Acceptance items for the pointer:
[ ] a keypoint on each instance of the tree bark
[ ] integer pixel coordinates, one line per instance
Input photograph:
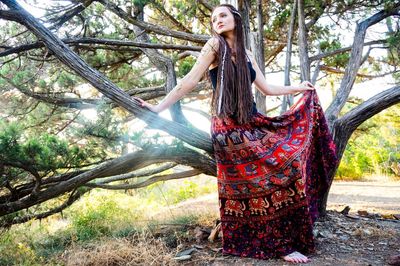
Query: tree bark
(258, 50)
(108, 42)
(123, 164)
(303, 45)
(288, 99)
(244, 9)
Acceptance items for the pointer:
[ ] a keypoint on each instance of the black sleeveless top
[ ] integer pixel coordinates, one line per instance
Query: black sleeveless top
(213, 76)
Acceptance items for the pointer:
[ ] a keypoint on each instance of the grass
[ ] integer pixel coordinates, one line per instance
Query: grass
(110, 228)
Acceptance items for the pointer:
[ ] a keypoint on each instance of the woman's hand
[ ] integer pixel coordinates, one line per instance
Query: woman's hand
(151, 107)
(305, 85)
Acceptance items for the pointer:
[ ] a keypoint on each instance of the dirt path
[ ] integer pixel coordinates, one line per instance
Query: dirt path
(372, 196)
(382, 197)
(340, 240)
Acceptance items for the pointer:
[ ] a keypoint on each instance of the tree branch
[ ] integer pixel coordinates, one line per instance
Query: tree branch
(342, 50)
(140, 173)
(123, 164)
(108, 42)
(147, 182)
(75, 195)
(353, 66)
(345, 126)
(206, 4)
(194, 137)
(360, 75)
(162, 10)
(148, 27)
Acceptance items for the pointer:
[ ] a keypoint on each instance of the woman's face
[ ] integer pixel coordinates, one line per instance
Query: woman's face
(222, 20)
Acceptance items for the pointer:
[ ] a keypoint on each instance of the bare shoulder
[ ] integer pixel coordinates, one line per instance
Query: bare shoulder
(212, 45)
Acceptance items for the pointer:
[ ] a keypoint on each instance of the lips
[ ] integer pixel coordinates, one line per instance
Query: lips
(220, 26)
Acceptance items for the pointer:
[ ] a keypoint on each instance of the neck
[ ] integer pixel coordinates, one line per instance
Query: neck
(230, 39)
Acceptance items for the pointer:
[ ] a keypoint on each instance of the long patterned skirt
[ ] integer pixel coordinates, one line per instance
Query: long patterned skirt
(272, 173)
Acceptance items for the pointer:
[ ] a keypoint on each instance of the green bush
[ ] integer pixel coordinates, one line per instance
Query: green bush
(373, 148)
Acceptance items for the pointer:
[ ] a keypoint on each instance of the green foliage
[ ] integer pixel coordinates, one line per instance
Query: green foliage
(337, 61)
(185, 66)
(168, 193)
(93, 221)
(42, 153)
(374, 148)
(394, 44)
(141, 3)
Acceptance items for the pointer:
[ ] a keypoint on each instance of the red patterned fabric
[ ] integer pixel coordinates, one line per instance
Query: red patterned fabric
(271, 177)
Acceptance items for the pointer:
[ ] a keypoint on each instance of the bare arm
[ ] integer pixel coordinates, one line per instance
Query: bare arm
(187, 84)
(270, 89)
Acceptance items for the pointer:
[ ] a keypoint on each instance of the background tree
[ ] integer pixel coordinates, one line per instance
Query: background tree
(95, 55)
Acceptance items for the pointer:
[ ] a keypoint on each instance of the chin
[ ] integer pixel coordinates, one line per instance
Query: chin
(222, 31)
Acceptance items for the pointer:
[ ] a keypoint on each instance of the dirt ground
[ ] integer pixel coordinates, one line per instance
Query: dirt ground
(366, 238)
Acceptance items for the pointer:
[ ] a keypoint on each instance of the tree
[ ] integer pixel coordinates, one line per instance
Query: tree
(90, 39)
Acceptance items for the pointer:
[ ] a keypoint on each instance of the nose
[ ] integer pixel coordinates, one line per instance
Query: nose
(218, 21)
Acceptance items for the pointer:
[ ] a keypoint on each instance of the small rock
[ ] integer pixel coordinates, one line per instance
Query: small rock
(200, 234)
(181, 258)
(353, 216)
(185, 252)
(362, 213)
(325, 234)
(367, 232)
(388, 216)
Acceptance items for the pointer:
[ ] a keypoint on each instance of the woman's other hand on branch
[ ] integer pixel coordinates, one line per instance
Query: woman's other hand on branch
(151, 107)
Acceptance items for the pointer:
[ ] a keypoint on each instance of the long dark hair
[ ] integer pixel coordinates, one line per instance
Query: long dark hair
(233, 94)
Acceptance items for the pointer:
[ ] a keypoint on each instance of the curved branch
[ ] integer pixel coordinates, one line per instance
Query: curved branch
(108, 42)
(206, 5)
(147, 182)
(123, 164)
(360, 75)
(342, 50)
(75, 195)
(138, 173)
(70, 14)
(344, 126)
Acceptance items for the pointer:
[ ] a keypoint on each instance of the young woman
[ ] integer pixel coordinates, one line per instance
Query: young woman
(270, 175)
